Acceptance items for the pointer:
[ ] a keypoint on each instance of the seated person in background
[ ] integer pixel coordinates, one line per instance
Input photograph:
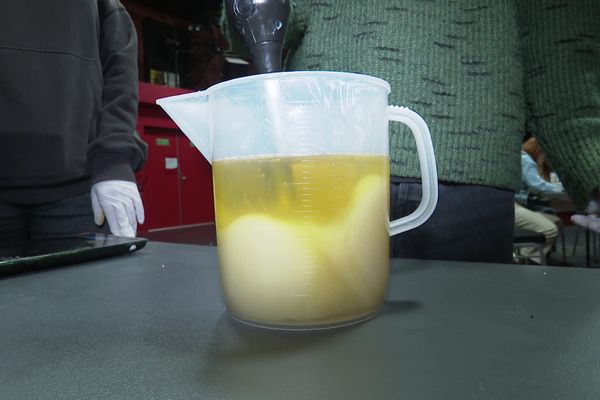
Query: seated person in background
(535, 176)
(543, 223)
(68, 106)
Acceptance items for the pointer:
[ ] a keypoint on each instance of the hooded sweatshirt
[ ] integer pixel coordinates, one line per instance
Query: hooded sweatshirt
(68, 98)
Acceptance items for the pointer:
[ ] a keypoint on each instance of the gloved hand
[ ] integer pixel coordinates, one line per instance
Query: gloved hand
(119, 201)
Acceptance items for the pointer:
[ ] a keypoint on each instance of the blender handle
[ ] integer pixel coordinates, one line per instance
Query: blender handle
(429, 197)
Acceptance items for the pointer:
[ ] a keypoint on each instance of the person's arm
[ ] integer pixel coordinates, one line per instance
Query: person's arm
(533, 179)
(562, 76)
(117, 151)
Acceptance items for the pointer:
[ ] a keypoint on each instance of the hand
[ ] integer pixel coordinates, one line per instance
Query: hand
(119, 201)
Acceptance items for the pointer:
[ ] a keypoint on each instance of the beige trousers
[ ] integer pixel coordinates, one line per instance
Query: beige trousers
(545, 224)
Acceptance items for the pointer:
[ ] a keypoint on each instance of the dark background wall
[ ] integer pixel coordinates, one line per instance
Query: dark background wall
(180, 43)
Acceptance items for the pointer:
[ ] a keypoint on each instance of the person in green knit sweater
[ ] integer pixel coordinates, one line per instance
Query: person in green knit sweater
(478, 72)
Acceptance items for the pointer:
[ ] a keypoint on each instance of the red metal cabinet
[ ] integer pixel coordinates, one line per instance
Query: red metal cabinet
(197, 204)
(176, 182)
(159, 180)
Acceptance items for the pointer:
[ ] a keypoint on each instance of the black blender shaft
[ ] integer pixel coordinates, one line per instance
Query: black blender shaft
(261, 24)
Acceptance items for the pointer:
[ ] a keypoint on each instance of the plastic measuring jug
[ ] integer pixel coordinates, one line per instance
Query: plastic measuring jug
(301, 180)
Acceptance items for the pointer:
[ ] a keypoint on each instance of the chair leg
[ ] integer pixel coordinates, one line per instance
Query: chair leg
(595, 247)
(587, 248)
(562, 241)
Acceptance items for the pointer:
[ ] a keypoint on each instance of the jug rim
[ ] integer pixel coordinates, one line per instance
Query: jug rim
(315, 74)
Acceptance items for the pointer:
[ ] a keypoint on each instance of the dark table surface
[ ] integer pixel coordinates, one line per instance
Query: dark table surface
(152, 325)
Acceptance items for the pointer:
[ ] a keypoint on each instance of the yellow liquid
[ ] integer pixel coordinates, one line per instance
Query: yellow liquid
(303, 240)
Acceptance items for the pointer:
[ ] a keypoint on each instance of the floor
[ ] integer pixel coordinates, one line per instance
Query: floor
(574, 243)
(575, 246)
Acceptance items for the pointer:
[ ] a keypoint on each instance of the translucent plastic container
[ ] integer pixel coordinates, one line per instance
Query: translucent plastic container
(301, 180)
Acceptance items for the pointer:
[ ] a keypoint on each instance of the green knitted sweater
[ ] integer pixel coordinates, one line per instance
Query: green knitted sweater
(477, 71)
(561, 42)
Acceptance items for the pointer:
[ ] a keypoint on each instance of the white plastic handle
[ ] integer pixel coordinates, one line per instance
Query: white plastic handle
(429, 181)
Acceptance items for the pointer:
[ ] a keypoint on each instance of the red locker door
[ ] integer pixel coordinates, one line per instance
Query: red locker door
(196, 185)
(158, 180)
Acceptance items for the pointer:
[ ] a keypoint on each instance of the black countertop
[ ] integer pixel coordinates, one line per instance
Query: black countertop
(152, 325)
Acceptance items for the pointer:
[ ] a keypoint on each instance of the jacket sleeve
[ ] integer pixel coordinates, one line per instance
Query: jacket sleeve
(533, 179)
(117, 150)
(561, 50)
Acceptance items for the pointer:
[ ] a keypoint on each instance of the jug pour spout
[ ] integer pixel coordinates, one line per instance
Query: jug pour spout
(190, 113)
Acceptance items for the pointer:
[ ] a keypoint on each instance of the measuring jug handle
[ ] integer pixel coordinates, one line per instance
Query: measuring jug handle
(429, 183)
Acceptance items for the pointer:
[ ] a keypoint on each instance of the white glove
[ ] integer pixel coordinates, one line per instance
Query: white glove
(119, 201)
